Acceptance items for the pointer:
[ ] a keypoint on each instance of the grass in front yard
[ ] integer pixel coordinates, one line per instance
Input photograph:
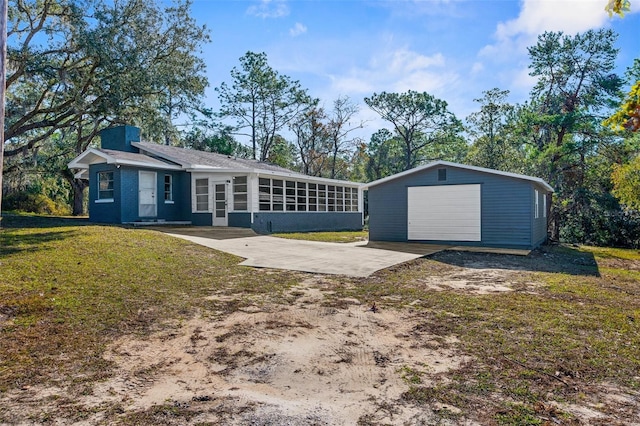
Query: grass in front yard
(579, 328)
(330, 237)
(570, 327)
(67, 290)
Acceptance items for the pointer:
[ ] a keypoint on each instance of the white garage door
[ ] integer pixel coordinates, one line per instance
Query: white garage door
(445, 213)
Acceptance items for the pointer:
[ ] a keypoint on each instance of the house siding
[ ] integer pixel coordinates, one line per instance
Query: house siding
(506, 207)
(104, 212)
(240, 220)
(539, 225)
(269, 222)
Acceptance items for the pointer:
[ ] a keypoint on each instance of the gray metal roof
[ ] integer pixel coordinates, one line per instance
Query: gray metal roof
(461, 166)
(193, 159)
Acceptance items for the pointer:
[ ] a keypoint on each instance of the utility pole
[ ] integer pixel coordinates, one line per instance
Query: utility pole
(3, 84)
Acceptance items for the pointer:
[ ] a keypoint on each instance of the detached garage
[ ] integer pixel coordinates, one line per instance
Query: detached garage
(450, 203)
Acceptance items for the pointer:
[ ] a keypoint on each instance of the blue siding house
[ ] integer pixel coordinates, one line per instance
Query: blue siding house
(450, 203)
(134, 182)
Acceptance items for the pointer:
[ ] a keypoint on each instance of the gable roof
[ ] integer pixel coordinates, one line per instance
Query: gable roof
(110, 156)
(166, 157)
(539, 181)
(192, 159)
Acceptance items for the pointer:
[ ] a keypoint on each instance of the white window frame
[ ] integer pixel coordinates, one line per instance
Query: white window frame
(536, 211)
(237, 205)
(196, 194)
(100, 199)
(168, 193)
(544, 205)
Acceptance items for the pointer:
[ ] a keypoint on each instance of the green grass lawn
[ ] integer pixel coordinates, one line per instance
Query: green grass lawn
(330, 237)
(67, 289)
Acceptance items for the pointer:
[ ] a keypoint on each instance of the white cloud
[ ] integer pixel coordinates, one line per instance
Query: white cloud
(537, 16)
(512, 37)
(477, 67)
(269, 9)
(398, 71)
(297, 29)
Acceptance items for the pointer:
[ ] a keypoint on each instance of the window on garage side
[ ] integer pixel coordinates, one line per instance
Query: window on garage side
(105, 185)
(536, 212)
(240, 193)
(544, 205)
(202, 195)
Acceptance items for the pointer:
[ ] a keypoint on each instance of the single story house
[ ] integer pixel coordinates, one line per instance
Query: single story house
(135, 182)
(450, 203)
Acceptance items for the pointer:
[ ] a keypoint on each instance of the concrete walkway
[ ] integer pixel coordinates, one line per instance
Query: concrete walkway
(352, 259)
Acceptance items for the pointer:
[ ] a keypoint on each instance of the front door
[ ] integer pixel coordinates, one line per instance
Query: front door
(219, 204)
(147, 206)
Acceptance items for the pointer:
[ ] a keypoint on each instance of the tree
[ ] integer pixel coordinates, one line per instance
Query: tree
(261, 101)
(488, 129)
(626, 181)
(312, 141)
(79, 67)
(385, 155)
(219, 140)
(628, 115)
(281, 153)
(619, 7)
(574, 89)
(418, 119)
(339, 128)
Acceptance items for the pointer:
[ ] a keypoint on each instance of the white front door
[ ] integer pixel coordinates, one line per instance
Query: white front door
(147, 206)
(220, 204)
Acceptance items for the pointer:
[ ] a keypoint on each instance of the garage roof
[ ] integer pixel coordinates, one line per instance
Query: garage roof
(460, 166)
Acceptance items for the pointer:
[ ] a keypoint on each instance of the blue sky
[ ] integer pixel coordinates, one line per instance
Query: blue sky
(452, 49)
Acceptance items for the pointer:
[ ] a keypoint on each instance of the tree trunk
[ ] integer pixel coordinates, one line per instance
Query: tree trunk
(78, 185)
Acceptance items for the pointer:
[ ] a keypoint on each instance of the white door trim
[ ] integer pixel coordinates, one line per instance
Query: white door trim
(147, 194)
(220, 190)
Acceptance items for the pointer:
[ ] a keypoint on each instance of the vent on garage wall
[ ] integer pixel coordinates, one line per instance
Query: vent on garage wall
(442, 175)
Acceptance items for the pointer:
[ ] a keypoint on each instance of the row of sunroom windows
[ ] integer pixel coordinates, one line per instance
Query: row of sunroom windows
(289, 195)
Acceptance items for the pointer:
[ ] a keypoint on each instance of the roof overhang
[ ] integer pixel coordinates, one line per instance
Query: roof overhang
(183, 164)
(537, 180)
(262, 172)
(95, 156)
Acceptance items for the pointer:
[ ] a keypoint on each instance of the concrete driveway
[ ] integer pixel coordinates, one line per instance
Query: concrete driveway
(353, 259)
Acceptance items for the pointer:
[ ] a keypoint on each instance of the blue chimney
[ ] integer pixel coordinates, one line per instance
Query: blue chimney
(120, 138)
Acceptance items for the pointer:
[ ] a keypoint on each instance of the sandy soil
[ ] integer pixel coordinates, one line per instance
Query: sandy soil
(300, 363)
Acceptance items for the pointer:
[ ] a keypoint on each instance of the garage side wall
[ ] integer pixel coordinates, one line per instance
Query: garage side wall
(505, 206)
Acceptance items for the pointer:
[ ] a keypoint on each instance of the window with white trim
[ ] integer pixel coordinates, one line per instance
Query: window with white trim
(322, 197)
(313, 197)
(290, 196)
(536, 212)
(105, 185)
(544, 205)
(301, 205)
(168, 188)
(277, 195)
(331, 198)
(202, 195)
(264, 194)
(240, 193)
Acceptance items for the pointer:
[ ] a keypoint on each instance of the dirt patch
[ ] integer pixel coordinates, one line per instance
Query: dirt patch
(293, 362)
(282, 364)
